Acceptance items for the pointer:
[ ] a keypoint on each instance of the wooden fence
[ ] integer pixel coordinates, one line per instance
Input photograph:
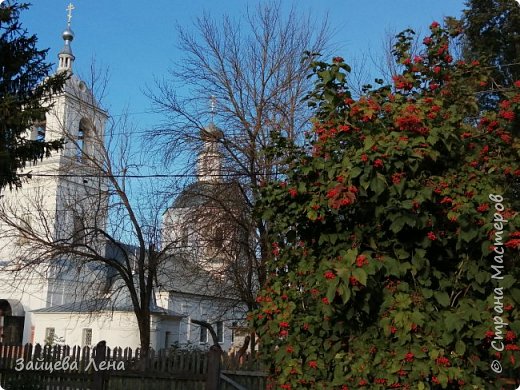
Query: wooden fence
(101, 368)
(241, 372)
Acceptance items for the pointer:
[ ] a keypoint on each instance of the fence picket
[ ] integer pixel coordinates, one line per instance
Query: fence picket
(163, 369)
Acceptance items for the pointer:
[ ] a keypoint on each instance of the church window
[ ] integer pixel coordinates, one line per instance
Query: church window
(203, 335)
(78, 235)
(203, 331)
(56, 292)
(85, 130)
(220, 331)
(86, 339)
(167, 339)
(50, 335)
(185, 308)
(81, 144)
(188, 329)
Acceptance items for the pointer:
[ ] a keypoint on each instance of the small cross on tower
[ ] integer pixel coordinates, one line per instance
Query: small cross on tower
(69, 13)
(213, 107)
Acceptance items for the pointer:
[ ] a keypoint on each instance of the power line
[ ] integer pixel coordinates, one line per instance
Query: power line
(166, 175)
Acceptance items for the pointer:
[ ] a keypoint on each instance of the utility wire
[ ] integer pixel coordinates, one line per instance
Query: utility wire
(167, 175)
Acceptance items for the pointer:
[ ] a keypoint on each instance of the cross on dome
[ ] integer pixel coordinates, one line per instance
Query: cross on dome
(69, 13)
(213, 107)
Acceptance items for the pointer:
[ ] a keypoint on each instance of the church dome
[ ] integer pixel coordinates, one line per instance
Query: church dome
(68, 34)
(211, 133)
(197, 194)
(203, 193)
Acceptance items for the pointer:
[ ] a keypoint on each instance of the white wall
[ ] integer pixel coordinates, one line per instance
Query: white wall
(118, 329)
(207, 309)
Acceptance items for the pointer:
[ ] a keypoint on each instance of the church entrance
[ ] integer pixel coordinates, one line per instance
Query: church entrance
(12, 317)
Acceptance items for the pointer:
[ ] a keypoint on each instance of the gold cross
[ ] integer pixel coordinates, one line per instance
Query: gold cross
(69, 13)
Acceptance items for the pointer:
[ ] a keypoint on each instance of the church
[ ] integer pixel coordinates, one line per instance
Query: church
(50, 296)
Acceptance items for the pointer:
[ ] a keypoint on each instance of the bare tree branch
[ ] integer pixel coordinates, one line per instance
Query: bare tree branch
(256, 70)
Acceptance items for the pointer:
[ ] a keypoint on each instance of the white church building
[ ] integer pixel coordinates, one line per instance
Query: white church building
(64, 304)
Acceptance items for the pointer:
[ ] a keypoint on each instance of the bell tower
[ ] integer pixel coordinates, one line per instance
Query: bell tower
(66, 189)
(62, 200)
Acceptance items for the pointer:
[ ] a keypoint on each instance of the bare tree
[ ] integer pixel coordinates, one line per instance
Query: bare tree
(255, 70)
(80, 218)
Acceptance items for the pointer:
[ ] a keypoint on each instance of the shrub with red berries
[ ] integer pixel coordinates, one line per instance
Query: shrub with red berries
(385, 233)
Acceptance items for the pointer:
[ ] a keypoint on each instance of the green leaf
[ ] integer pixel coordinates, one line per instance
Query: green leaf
(397, 225)
(331, 290)
(360, 275)
(446, 339)
(402, 254)
(355, 172)
(443, 379)
(364, 181)
(405, 267)
(432, 139)
(453, 322)
(468, 235)
(350, 256)
(508, 281)
(442, 297)
(515, 293)
(369, 142)
(460, 347)
(378, 184)
(326, 75)
(482, 277)
(344, 292)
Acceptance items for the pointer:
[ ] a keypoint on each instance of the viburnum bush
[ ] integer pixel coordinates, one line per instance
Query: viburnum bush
(394, 234)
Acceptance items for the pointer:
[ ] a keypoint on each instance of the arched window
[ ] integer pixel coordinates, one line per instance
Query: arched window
(78, 232)
(80, 153)
(83, 140)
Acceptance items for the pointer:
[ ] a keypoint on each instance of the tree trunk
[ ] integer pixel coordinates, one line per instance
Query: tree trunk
(253, 344)
(143, 321)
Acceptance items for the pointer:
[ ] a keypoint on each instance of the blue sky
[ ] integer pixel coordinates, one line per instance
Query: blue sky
(137, 40)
